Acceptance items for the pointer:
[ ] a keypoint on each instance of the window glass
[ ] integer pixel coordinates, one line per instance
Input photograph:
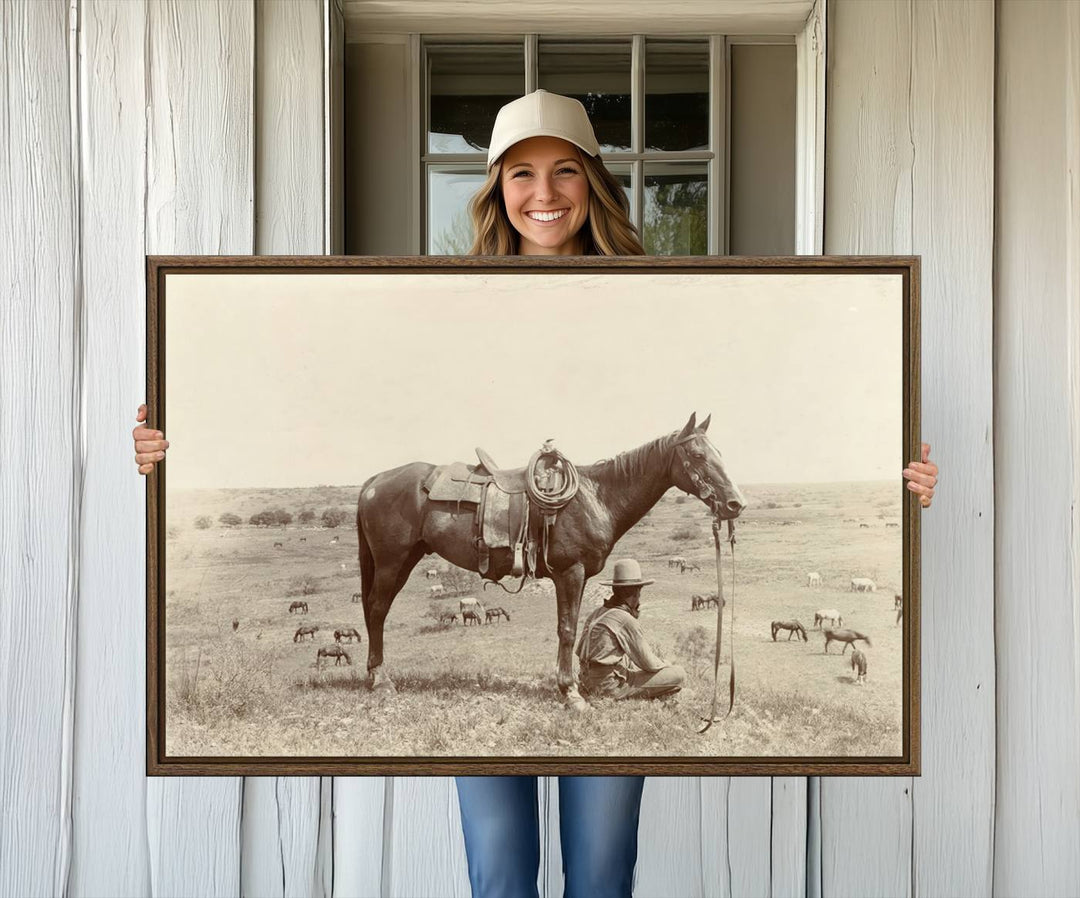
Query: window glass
(466, 86)
(450, 188)
(676, 209)
(597, 74)
(676, 95)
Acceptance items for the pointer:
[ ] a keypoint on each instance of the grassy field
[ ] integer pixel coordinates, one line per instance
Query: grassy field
(491, 690)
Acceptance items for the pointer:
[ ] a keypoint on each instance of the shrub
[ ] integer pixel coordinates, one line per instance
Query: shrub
(202, 522)
(233, 684)
(230, 520)
(307, 516)
(679, 500)
(305, 585)
(694, 646)
(682, 534)
(334, 517)
(458, 581)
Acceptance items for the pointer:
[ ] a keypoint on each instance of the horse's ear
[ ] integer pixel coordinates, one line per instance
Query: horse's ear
(704, 425)
(689, 428)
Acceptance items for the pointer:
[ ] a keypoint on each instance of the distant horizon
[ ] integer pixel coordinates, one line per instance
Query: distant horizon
(330, 378)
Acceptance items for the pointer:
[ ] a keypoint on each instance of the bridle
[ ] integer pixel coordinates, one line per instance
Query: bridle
(706, 493)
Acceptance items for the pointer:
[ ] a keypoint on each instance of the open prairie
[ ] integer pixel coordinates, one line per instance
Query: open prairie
(490, 690)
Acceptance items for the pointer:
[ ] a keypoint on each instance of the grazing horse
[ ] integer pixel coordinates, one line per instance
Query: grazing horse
(863, 584)
(346, 633)
(235, 625)
(469, 614)
(848, 637)
(858, 663)
(397, 524)
(813, 579)
(496, 613)
(827, 614)
(304, 631)
(675, 561)
(332, 651)
(431, 574)
(792, 626)
(277, 545)
(301, 607)
(689, 566)
(447, 617)
(356, 597)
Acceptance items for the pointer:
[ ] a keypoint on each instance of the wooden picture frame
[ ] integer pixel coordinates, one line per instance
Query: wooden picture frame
(285, 383)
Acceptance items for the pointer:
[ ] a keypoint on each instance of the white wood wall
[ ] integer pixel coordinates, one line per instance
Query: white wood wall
(135, 127)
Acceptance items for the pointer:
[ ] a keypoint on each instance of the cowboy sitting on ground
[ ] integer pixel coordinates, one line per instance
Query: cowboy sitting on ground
(616, 660)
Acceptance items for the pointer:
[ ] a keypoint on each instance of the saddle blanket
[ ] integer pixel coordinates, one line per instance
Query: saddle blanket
(456, 482)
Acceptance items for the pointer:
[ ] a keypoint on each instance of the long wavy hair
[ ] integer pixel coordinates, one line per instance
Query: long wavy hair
(607, 230)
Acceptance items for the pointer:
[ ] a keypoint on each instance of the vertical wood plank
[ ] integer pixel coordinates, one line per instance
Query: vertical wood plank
(788, 862)
(359, 811)
(282, 815)
(199, 199)
(952, 78)
(869, 156)
(670, 838)
(40, 451)
(110, 852)
(425, 852)
(736, 826)
(1037, 449)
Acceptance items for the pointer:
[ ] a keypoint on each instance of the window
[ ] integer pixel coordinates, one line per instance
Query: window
(659, 107)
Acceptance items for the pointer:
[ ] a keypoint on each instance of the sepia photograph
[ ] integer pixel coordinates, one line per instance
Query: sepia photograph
(481, 517)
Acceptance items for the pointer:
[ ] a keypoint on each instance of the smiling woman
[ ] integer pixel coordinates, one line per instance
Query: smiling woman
(547, 190)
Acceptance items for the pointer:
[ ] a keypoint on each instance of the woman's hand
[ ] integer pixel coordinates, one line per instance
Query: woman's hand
(922, 477)
(150, 445)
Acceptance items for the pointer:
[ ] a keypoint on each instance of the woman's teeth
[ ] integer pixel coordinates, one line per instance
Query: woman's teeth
(546, 216)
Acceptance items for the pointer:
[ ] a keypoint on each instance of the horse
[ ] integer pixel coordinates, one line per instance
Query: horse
(397, 525)
(356, 597)
(447, 617)
(863, 584)
(848, 637)
(469, 614)
(827, 614)
(304, 631)
(689, 566)
(346, 633)
(792, 626)
(858, 664)
(332, 651)
(497, 613)
(300, 607)
(813, 579)
(898, 604)
(235, 625)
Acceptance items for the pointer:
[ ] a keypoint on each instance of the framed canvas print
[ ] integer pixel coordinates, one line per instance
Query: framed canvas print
(533, 516)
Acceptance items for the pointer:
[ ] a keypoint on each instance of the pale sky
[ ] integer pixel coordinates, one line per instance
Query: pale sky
(305, 379)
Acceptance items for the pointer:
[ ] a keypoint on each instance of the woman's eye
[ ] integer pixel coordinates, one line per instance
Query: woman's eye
(572, 171)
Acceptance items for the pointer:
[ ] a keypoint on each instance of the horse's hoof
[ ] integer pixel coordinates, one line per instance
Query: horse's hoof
(578, 705)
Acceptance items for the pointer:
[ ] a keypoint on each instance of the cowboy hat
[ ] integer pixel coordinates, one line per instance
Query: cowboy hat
(541, 114)
(627, 573)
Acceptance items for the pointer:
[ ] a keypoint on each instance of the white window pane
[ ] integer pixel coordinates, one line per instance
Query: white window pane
(450, 231)
(624, 176)
(467, 84)
(597, 74)
(676, 209)
(676, 95)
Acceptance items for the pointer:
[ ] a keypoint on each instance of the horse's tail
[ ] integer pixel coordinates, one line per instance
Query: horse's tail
(868, 642)
(366, 560)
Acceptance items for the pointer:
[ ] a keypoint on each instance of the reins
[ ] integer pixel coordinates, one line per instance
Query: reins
(720, 623)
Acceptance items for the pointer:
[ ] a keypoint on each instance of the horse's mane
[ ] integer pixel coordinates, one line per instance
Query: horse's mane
(632, 463)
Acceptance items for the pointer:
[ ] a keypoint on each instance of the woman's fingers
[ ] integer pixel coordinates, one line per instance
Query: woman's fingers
(151, 445)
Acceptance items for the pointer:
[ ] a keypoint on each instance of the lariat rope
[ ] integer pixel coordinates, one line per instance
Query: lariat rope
(720, 623)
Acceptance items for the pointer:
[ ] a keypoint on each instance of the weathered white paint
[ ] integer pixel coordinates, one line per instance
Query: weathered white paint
(40, 446)
(952, 130)
(1037, 366)
(909, 167)
(199, 198)
(109, 813)
(810, 134)
(909, 170)
(557, 17)
(282, 815)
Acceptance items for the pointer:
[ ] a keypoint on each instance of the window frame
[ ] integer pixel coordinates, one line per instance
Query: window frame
(810, 120)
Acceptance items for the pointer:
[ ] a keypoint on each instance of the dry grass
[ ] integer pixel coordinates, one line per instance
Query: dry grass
(491, 690)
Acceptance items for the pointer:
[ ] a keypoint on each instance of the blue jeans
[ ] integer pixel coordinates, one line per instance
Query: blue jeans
(598, 822)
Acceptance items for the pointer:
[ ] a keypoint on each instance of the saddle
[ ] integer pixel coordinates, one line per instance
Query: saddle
(515, 507)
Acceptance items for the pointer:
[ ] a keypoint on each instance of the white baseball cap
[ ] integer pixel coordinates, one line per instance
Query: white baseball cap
(541, 114)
